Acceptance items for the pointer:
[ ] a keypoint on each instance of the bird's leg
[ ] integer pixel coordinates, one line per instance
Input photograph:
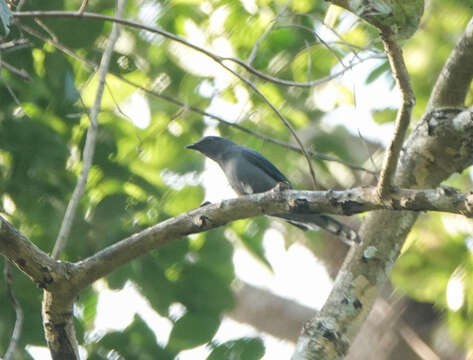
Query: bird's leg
(205, 203)
(202, 221)
(281, 186)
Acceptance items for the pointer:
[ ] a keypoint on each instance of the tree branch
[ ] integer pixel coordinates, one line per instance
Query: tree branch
(36, 264)
(346, 202)
(196, 109)
(15, 337)
(279, 81)
(268, 312)
(439, 146)
(280, 116)
(258, 42)
(403, 116)
(83, 6)
(216, 58)
(18, 72)
(57, 306)
(63, 281)
(453, 83)
(90, 141)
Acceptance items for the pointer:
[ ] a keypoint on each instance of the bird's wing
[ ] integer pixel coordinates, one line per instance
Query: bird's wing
(264, 164)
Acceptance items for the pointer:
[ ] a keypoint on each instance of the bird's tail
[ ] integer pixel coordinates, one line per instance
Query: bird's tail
(315, 221)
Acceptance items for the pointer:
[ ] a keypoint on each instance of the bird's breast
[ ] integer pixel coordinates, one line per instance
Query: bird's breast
(246, 178)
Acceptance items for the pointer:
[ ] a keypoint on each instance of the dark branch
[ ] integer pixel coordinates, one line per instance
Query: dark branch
(454, 81)
(40, 267)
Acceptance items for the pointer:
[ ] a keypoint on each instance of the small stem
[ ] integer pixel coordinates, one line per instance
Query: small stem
(195, 109)
(15, 338)
(403, 116)
(90, 142)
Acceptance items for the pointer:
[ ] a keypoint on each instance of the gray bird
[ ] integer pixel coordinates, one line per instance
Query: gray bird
(249, 172)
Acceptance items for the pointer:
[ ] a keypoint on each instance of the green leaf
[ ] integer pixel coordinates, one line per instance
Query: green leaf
(89, 300)
(137, 341)
(216, 255)
(149, 276)
(201, 290)
(377, 72)
(191, 330)
(384, 116)
(424, 274)
(252, 236)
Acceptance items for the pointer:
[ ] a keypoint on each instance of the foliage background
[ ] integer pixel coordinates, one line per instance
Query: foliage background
(142, 174)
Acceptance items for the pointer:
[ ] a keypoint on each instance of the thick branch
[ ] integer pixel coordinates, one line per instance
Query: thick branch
(63, 287)
(35, 263)
(440, 145)
(47, 272)
(57, 307)
(454, 81)
(403, 116)
(41, 268)
(214, 215)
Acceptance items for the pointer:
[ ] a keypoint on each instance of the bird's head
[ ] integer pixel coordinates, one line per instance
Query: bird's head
(212, 146)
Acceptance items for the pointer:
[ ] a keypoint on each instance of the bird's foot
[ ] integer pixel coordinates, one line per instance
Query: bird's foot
(281, 186)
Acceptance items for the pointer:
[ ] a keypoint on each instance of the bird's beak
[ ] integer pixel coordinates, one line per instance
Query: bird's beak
(191, 146)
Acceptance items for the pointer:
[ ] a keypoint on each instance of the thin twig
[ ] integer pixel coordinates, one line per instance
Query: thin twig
(342, 41)
(176, 38)
(20, 5)
(14, 45)
(322, 41)
(218, 59)
(14, 97)
(279, 81)
(91, 138)
(281, 116)
(403, 116)
(18, 72)
(252, 56)
(195, 109)
(363, 141)
(215, 57)
(83, 6)
(57, 45)
(46, 29)
(309, 59)
(15, 337)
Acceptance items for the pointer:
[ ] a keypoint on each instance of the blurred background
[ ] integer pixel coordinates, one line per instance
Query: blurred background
(246, 289)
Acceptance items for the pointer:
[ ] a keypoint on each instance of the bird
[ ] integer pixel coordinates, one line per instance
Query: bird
(249, 172)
